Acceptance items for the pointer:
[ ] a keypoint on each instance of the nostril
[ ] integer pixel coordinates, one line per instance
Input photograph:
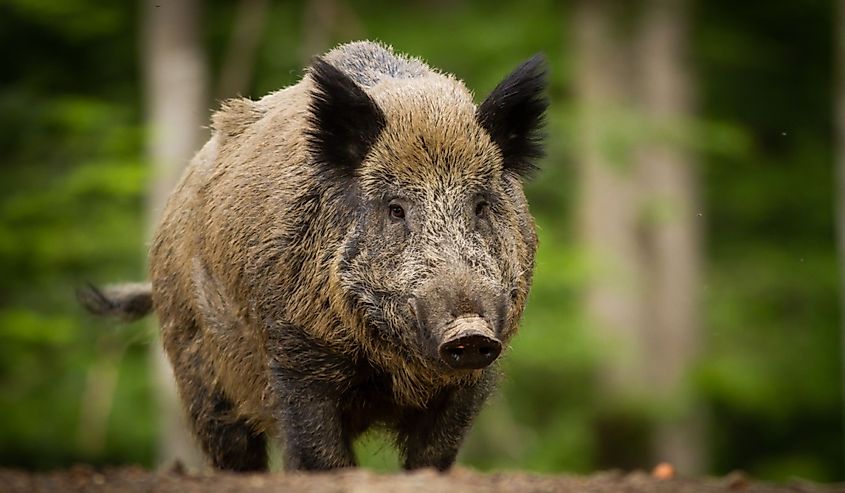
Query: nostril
(470, 352)
(456, 351)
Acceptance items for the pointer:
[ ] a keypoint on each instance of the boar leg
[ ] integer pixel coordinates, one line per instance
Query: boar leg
(312, 429)
(431, 437)
(230, 442)
(226, 438)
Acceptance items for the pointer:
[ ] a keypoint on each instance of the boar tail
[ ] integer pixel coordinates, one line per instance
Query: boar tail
(126, 302)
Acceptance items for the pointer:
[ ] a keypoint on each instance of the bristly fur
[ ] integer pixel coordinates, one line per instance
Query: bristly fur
(344, 122)
(513, 114)
(281, 276)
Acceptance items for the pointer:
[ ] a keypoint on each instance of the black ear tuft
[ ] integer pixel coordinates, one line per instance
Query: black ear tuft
(345, 121)
(514, 114)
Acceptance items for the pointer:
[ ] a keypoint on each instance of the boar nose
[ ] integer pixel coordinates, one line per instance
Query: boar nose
(469, 344)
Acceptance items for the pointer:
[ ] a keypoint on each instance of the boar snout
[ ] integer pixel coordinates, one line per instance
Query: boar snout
(469, 344)
(459, 319)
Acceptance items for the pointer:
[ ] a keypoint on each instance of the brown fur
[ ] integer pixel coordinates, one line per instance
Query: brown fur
(278, 283)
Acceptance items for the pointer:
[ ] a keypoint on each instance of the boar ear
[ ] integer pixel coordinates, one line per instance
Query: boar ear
(344, 120)
(514, 114)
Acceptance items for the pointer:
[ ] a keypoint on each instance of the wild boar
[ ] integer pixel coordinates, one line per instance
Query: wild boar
(354, 250)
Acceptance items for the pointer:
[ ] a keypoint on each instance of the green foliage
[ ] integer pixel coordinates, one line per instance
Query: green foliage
(70, 210)
(73, 188)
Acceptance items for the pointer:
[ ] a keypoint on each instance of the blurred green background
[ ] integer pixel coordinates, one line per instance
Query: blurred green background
(764, 385)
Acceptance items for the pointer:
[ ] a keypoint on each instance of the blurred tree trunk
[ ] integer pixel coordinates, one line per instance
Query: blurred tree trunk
(98, 396)
(672, 243)
(322, 21)
(318, 22)
(176, 87)
(607, 210)
(609, 225)
(239, 61)
(839, 193)
(638, 225)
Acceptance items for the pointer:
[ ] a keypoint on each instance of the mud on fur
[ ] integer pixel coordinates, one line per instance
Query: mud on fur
(352, 251)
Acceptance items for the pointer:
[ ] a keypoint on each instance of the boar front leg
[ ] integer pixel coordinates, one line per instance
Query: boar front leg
(312, 430)
(431, 437)
(306, 378)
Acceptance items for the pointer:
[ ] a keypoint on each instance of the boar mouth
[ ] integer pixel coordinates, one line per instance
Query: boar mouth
(468, 343)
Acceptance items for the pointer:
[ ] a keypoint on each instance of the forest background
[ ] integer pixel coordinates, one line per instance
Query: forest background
(687, 298)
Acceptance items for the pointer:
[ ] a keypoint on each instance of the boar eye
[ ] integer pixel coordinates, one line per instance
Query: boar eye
(481, 208)
(396, 211)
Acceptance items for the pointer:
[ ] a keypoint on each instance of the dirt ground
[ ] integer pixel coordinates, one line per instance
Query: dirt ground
(136, 480)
